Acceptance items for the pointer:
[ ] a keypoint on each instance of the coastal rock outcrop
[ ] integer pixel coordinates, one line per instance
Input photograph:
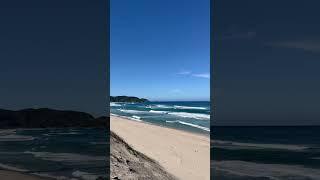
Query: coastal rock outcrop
(49, 118)
(127, 99)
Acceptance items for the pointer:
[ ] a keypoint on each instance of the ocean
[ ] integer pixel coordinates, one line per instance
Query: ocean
(190, 116)
(78, 153)
(265, 153)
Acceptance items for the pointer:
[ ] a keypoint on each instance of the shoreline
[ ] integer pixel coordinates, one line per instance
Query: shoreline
(184, 154)
(6, 174)
(203, 133)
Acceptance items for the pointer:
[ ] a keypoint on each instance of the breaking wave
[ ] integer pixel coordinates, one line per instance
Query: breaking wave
(190, 124)
(198, 116)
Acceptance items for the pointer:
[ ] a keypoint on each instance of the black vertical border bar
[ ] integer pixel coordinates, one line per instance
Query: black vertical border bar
(107, 58)
(212, 86)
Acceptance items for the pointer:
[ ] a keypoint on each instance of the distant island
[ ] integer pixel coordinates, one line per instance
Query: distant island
(49, 118)
(127, 99)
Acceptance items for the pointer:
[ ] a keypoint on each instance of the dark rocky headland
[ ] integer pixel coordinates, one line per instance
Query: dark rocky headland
(127, 99)
(49, 118)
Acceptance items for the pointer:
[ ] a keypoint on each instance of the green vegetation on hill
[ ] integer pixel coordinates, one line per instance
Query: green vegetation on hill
(127, 99)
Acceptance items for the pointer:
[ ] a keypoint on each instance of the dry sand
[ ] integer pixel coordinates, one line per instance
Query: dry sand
(182, 154)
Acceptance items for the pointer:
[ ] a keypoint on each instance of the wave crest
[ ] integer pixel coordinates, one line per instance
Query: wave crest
(190, 107)
(190, 124)
(198, 116)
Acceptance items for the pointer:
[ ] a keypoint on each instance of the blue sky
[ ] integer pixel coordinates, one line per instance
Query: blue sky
(160, 49)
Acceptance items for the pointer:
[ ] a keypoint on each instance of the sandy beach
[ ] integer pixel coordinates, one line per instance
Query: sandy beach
(11, 175)
(184, 155)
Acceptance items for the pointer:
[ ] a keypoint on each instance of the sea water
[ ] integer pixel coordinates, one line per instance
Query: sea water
(190, 116)
(64, 153)
(265, 153)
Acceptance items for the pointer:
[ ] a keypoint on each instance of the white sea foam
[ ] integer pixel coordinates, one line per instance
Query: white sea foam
(189, 107)
(135, 118)
(132, 111)
(113, 104)
(159, 106)
(116, 115)
(84, 175)
(66, 157)
(13, 137)
(190, 124)
(4, 166)
(271, 171)
(159, 112)
(162, 106)
(198, 116)
(240, 145)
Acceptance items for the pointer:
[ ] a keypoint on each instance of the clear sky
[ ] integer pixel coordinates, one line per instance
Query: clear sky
(267, 59)
(160, 49)
(53, 55)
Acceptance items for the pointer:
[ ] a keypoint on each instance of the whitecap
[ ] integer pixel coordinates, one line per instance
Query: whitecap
(159, 106)
(190, 107)
(158, 112)
(135, 118)
(190, 124)
(116, 115)
(198, 116)
(113, 104)
(163, 106)
(132, 111)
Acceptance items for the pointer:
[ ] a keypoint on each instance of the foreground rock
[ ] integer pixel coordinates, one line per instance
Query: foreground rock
(128, 164)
